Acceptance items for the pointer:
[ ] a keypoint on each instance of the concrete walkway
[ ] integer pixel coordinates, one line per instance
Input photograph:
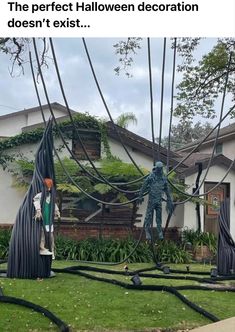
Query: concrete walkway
(226, 325)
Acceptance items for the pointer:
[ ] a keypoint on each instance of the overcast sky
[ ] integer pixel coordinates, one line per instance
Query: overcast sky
(121, 94)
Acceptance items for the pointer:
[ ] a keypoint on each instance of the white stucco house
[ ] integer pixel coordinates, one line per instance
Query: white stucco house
(14, 123)
(224, 156)
(140, 149)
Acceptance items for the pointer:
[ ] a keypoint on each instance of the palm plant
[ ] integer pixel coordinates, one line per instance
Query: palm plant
(125, 119)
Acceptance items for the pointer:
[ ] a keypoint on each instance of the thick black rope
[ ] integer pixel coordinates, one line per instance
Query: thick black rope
(151, 98)
(195, 194)
(132, 273)
(101, 177)
(134, 180)
(162, 97)
(168, 289)
(106, 106)
(86, 170)
(64, 142)
(63, 327)
(204, 193)
(172, 106)
(202, 141)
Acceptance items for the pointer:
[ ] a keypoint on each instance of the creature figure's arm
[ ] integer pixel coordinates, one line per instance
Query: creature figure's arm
(57, 211)
(144, 189)
(37, 206)
(169, 202)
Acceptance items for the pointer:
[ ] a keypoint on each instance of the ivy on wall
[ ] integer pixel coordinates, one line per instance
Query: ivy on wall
(81, 120)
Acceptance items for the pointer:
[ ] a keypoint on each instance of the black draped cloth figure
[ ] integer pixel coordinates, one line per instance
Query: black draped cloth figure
(24, 259)
(226, 245)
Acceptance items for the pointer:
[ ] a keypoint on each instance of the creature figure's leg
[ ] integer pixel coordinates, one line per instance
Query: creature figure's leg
(148, 222)
(158, 209)
(52, 245)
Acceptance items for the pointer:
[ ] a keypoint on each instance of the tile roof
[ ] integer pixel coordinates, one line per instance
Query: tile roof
(54, 105)
(219, 160)
(224, 132)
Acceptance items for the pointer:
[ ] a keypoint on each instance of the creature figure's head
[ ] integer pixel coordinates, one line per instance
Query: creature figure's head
(158, 168)
(48, 183)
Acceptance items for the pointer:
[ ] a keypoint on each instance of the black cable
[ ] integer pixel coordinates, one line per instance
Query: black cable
(168, 289)
(197, 208)
(132, 273)
(63, 327)
(172, 106)
(151, 98)
(61, 134)
(35, 84)
(138, 180)
(183, 272)
(101, 177)
(202, 141)
(215, 140)
(106, 106)
(57, 155)
(162, 97)
(205, 193)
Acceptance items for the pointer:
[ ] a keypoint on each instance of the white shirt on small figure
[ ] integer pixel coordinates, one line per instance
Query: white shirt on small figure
(48, 225)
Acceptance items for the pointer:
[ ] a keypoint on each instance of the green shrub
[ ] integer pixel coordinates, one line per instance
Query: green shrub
(113, 250)
(109, 250)
(171, 252)
(5, 235)
(101, 250)
(196, 238)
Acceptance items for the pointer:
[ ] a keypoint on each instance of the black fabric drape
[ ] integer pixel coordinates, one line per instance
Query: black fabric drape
(226, 245)
(24, 260)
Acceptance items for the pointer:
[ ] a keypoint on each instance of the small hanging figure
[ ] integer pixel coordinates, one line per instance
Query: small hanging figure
(44, 213)
(155, 185)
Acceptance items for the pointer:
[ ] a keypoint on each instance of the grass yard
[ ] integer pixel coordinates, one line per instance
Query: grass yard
(88, 305)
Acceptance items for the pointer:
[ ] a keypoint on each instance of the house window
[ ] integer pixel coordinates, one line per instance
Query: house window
(92, 143)
(219, 148)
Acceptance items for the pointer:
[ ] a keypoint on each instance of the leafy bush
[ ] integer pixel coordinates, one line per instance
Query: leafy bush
(5, 235)
(197, 238)
(171, 252)
(109, 250)
(113, 250)
(101, 250)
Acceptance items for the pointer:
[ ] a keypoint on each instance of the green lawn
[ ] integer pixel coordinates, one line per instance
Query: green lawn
(88, 305)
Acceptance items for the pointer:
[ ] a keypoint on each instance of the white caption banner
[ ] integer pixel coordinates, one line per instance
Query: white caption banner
(69, 18)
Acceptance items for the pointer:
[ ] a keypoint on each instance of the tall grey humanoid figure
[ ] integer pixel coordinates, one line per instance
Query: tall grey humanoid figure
(156, 186)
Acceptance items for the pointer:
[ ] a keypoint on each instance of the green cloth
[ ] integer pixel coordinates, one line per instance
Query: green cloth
(47, 213)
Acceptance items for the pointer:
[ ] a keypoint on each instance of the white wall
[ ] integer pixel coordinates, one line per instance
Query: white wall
(227, 149)
(139, 158)
(10, 198)
(36, 117)
(13, 125)
(215, 174)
